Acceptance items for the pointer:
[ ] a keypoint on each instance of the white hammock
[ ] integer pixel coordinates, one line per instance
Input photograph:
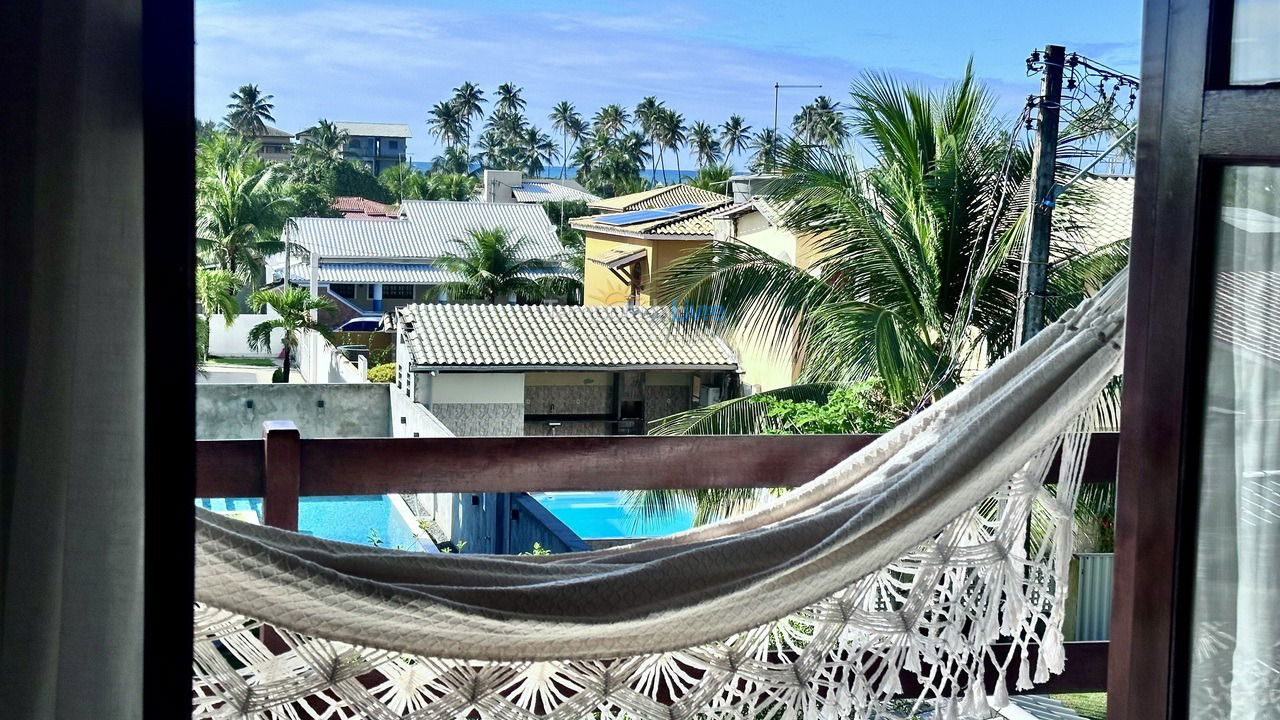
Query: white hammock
(909, 555)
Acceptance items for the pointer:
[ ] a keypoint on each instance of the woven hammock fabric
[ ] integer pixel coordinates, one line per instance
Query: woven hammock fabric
(908, 556)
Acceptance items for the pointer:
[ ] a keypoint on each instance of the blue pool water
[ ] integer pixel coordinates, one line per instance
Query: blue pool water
(347, 518)
(604, 515)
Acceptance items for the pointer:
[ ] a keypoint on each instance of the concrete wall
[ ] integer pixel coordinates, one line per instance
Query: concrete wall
(234, 341)
(350, 410)
(474, 404)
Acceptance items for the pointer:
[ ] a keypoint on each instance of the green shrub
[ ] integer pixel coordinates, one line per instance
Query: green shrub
(383, 373)
(278, 375)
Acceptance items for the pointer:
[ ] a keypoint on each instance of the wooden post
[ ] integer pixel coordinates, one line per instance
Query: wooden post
(282, 472)
(1035, 257)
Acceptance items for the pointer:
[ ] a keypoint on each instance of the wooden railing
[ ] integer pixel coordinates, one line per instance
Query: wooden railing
(283, 467)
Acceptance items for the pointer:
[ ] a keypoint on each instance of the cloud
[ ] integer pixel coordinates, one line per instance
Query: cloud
(375, 60)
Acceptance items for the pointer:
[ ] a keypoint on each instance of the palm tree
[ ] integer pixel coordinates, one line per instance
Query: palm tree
(294, 306)
(249, 111)
(324, 143)
(734, 134)
(566, 120)
(918, 255)
(706, 149)
(454, 159)
(821, 122)
(216, 295)
(449, 186)
(647, 111)
(491, 146)
(468, 100)
(404, 182)
(672, 136)
(509, 99)
(537, 149)
(766, 146)
(713, 177)
(610, 120)
(241, 206)
(447, 123)
(493, 266)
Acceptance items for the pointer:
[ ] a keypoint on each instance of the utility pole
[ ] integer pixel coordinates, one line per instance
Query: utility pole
(1035, 257)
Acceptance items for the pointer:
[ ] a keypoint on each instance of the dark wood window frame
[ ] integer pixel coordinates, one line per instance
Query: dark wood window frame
(1191, 124)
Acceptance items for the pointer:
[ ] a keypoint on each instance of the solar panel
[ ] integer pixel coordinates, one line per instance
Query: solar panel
(636, 216)
(681, 208)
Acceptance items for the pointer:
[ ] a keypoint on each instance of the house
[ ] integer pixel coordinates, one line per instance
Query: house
(274, 144)
(377, 145)
(358, 208)
(373, 265)
(513, 186)
(556, 369)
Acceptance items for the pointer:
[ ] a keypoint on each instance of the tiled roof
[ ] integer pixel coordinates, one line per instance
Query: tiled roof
(661, 197)
(358, 207)
(376, 272)
(556, 337)
(428, 230)
(274, 132)
(697, 222)
(541, 191)
(398, 130)
(1106, 219)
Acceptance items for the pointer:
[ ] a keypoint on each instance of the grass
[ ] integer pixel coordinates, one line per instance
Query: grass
(250, 361)
(1091, 706)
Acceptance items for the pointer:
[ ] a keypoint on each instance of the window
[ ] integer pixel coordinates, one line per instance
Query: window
(353, 143)
(346, 290)
(397, 292)
(393, 144)
(1235, 626)
(1255, 42)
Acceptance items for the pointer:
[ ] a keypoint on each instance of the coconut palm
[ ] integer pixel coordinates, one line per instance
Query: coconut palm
(507, 125)
(294, 306)
(918, 255)
(468, 100)
(449, 186)
(216, 295)
(706, 149)
(454, 159)
(324, 143)
(566, 120)
(404, 182)
(241, 206)
(536, 149)
(493, 266)
(490, 148)
(766, 146)
(734, 135)
(249, 111)
(713, 177)
(821, 122)
(647, 111)
(671, 135)
(447, 123)
(509, 99)
(610, 121)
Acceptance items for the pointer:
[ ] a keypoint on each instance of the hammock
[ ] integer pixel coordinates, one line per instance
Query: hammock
(910, 555)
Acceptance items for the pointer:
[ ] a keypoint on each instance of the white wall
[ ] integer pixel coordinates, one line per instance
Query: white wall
(320, 362)
(234, 341)
(473, 388)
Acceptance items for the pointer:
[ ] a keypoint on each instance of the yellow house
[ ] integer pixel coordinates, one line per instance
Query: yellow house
(641, 235)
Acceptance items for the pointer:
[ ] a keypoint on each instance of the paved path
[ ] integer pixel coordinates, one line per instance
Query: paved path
(1038, 707)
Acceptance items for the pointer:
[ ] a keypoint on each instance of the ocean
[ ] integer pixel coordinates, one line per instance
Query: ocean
(553, 171)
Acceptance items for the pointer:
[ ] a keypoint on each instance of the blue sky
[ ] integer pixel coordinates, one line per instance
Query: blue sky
(387, 61)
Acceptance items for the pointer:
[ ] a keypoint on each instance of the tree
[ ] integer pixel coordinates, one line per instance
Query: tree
(918, 255)
(647, 112)
(216, 292)
(734, 135)
(713, 177)
(454, 160)
(294, 306)
(447, 124)
(706, 149)
(404, 182)
(509, 99)
(249, 111)
(821, 122)
(610, 121)
(468, 101)
(493, 266)
(450, 186)
(536, 150)
(566, 120)
(766, 146)
(241, 206)
(323, 143)
(671, 135)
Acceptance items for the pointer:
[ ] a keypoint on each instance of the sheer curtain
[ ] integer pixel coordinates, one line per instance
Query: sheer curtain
(71, 418)
(1236, 615)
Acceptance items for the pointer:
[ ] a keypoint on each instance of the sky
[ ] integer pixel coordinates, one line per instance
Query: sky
(389, 61)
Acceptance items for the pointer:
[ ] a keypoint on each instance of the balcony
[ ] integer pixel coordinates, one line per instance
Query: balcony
(282, 467)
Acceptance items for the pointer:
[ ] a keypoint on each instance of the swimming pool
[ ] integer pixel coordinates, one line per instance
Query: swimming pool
(595, 515)
(347, 518)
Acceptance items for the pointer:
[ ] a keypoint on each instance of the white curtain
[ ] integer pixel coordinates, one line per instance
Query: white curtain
(71, 422)
(1236, 616)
